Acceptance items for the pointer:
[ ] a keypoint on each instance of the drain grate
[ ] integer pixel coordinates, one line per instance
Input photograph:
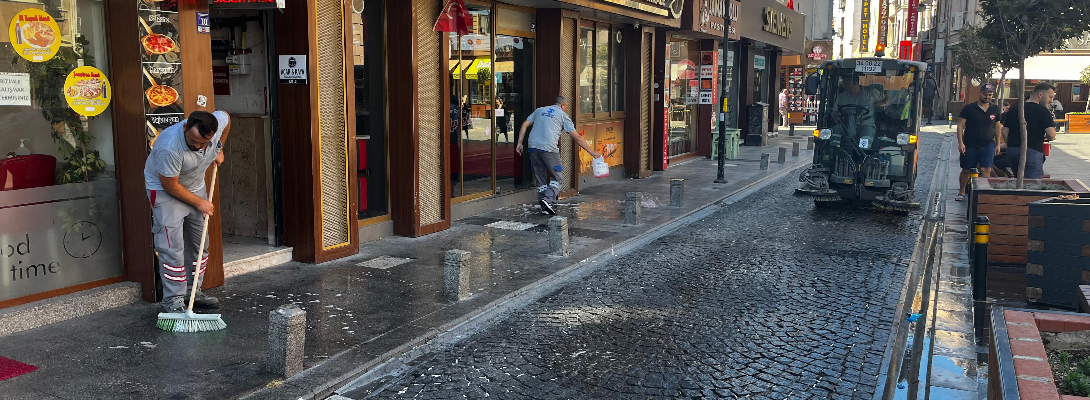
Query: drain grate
(511, 225)
(384, 262)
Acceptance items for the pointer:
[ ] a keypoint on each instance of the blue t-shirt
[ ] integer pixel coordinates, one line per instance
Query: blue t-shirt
(171, 157)
(549, 123)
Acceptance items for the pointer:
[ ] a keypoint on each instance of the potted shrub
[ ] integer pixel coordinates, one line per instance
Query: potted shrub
(1007, 209)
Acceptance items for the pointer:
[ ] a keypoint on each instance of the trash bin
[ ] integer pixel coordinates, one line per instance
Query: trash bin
(756, 121)
(732, 143)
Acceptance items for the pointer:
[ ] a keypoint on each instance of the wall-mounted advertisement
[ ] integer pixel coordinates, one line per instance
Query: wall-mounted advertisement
(161, 66)
(87, 91)
(37, 37)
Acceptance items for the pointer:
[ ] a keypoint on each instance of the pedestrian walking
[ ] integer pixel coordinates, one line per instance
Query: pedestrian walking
(929, 86)
(1058, 111)
(501, 119)
(784, 117)
(1039, 126)
(544, 148)
(174, 178)
(978, 136)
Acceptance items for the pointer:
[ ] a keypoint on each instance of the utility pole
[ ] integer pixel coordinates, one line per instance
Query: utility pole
(723, 94)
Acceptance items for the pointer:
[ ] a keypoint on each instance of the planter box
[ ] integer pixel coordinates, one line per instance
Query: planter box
(1008, 213)
(1058, 251)
(1078, 123)
(1017, 333)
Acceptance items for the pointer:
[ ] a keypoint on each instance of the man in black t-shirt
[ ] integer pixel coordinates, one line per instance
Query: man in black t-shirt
(1039, 125)
(978, 136)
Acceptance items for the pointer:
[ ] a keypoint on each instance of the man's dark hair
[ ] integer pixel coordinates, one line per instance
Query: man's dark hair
(206, 123)
(1043, 87)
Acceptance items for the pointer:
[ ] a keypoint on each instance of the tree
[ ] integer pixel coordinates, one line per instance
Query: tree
(1084, 77)
(1024, 28)
(976, 54)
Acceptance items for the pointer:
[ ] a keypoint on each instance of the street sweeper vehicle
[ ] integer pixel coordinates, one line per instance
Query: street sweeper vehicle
(865, 143)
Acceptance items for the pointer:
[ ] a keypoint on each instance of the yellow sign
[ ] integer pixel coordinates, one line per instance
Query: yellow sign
(88, 91)
(34, 35)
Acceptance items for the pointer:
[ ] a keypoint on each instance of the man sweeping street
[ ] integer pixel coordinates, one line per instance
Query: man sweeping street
(979, 139)
(174, 178)
(544, 148)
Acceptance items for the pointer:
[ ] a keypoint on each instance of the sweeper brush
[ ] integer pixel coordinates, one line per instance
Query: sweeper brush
(893, 205)
(818, 195)
(190, 322)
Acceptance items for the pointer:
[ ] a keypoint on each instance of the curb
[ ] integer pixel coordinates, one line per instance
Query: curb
(316, 383)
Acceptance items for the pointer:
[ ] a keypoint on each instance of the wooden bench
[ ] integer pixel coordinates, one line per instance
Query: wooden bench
(1061, 124)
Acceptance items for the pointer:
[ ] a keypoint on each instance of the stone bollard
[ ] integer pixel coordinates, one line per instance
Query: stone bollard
(764, 160)
(677, 193)
(782, 158)
(795, 149)
(287, 337)
(558, 236)
(456, 274)
(633, 207)
(810, 143)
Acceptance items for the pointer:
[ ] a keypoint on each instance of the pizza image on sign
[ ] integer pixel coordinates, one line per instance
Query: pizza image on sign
(35, 35)
(161, 95)
(87, 91)
(158, 44)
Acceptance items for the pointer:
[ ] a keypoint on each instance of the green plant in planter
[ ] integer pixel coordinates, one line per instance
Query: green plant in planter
(1077, 383)
(1083, 367)
(69, 129)
(1065, 357)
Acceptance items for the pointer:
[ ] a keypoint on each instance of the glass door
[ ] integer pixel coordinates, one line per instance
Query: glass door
(471, 107)
(514, 102)
(370, 87)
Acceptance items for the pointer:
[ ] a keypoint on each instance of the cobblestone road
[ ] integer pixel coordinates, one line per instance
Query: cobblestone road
(769, 298)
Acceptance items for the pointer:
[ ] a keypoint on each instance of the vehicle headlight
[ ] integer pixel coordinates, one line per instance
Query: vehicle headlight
(903, 138)
(825, 134)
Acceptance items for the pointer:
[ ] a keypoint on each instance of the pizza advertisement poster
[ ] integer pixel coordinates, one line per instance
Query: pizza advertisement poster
(161, 65)
(87, 91)
(159, 37)
(34, 35)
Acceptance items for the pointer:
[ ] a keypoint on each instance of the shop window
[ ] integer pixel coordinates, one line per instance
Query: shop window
(684, 96)
(58, 192)
(369, 73)
(471, 110)
(601, 70)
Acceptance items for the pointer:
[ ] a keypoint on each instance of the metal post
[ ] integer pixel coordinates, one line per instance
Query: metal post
(792, 131)
(721, 174)
(981, 230)
(949, 120)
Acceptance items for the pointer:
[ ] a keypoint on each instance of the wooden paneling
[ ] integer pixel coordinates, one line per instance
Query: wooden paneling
(297, 153)
(138, 254)
(635, 115)
(244, 189)
(1009, 200)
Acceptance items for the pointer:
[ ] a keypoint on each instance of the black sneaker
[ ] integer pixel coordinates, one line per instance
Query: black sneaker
(546, 208)
(204, 301)
(173, 305)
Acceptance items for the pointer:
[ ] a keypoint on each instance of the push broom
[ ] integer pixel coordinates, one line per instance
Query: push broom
(189, 321)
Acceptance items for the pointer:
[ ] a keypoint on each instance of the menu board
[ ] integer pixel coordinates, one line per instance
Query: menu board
(795, 94)
(161, 65)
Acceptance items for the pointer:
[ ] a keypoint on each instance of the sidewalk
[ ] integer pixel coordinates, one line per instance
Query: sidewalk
(361, 310)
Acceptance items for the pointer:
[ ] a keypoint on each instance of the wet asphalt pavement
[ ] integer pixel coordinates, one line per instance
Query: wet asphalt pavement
(769, 298)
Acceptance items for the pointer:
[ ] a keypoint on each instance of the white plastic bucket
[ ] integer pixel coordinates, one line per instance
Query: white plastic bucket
(601, 169)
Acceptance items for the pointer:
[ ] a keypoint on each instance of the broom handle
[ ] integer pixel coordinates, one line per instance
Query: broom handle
(200, 251)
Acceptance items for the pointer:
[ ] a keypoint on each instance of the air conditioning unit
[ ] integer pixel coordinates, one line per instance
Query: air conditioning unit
(925, 36)
(957, 21)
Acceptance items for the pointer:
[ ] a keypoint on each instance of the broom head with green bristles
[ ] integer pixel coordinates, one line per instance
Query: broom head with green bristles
(190, 322)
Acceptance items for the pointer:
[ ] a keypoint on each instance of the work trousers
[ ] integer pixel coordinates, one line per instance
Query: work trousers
(177, 227)
(548, 174)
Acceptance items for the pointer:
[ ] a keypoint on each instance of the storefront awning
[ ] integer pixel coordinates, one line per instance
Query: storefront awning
(1050, 67)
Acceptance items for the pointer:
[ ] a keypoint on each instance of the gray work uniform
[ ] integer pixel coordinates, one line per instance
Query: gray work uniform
(176, 225)
(544, 148)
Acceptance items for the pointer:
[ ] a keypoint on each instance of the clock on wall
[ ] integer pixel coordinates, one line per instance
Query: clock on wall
(82, 240)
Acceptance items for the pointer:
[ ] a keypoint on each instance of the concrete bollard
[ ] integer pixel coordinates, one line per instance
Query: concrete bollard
(633, 207)
(287, 338)
(782, 158)
(810, 143)
(456, 274)
(677, 193)
(558, 236)
(795, 149)
(764, 160)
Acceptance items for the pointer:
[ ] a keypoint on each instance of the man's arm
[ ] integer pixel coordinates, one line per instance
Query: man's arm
(223, 138)
(998, 136)
(583, 143)
(1050, 134)
(961, 139)
(172, 187)
(522, 135)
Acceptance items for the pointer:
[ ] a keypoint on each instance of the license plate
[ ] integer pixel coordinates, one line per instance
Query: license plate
(864, 143)
(868, 66)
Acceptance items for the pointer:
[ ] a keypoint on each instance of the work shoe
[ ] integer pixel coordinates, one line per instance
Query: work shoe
(546, 208)
(204, 301)
(959, 198)
(173, 305)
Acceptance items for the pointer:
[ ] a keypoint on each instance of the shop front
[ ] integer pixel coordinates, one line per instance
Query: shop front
(774, 31)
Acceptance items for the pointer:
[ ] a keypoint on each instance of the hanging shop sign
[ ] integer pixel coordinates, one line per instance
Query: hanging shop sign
(883, 22)
(14, 89)
(248, 4)
(912, 28)
(34, 35)
(161, 66)
(864, 27)
(87, 91)
(905, 52)
(293, 69)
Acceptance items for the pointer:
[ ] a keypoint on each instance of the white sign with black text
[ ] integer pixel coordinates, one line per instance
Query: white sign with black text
(14, 89)
(293, 69)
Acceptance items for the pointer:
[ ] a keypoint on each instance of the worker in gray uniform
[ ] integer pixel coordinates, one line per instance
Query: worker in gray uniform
(544, 148)
(174, 178)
